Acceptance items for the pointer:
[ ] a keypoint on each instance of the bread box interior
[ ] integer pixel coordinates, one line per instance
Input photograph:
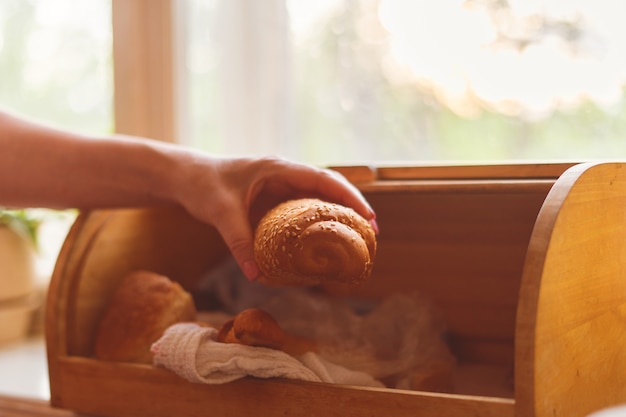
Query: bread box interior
(526, 262)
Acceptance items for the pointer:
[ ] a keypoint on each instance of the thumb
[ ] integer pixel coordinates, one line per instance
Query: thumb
(237, 235)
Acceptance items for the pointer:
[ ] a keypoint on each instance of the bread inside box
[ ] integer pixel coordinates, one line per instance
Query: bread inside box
(459, 242)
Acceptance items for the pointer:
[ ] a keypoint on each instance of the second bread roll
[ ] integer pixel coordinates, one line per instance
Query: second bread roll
(309, 242)
(142, 307)
(255, 327)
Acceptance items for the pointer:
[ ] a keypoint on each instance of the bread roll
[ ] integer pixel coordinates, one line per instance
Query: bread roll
(255, 327)
(309, 242)
(142, 307)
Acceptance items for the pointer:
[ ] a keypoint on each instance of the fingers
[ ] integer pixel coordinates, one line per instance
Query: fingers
(352, 197)
(236, 232)
(325, 183)
(346, 193)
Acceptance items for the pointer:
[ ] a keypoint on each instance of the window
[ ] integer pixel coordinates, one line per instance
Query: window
(341, 81)
(364, 81)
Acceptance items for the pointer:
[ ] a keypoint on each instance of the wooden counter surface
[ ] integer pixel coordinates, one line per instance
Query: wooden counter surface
(29, 407)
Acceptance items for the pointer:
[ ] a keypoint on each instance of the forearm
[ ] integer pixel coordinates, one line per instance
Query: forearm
(44, 167)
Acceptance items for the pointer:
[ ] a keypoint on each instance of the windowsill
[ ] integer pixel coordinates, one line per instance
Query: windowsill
(24, 369)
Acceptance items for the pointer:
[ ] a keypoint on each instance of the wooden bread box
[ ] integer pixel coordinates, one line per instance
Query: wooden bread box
(527, 262)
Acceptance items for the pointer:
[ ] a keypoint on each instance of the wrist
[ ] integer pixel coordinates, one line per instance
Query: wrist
(186, 177)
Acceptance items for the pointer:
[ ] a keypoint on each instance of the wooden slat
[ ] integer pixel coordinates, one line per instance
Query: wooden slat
(438, 186)
(125, 390)
(358, 174)
(476, 171)
(367, 177)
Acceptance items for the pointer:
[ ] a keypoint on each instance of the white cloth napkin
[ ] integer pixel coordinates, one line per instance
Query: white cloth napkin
(191, 351)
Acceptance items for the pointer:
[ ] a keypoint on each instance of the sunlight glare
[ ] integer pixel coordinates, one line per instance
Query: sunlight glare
(453, 49)
(304, 15)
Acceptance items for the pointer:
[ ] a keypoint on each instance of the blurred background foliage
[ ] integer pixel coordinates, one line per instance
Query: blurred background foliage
(397, 81)
(56, 62)
(358, 100)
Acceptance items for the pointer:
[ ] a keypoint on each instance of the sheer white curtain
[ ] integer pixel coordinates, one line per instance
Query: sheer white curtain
(253, 63)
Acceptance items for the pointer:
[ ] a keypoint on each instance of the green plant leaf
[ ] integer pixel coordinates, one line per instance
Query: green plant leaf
(22, 221)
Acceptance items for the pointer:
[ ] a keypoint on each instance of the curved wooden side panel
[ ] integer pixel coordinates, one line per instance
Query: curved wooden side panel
(105, 245)
(79, 236)
(571, 322)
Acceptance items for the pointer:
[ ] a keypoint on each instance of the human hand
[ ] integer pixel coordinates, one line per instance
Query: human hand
(233, 194)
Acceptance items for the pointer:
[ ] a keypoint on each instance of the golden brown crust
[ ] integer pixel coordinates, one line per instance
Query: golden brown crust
(142, 307)
(309, 242)
(255, 327)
